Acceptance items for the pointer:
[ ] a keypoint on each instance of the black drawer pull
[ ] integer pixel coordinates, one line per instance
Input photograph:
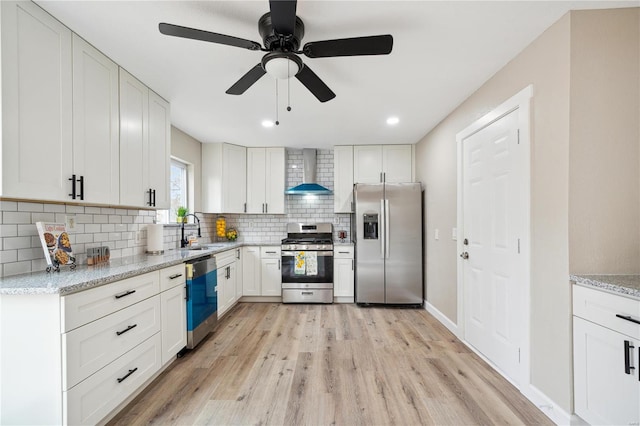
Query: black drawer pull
(309, 293)
(122, 379)
(173, 277)
(118, 296)
(628, 318)
(343, 252)
(126, 329)
(270, 252)
(628, 347)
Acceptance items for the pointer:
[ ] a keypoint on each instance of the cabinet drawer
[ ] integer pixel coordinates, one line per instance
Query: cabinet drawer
(344, 252)
(601, 308)
(91, 400)
(226, 258)
(89, 305)
(172, 277)
(270, 252)
(87, 349)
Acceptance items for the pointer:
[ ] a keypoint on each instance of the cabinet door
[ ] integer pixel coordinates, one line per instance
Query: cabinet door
(221, 286)
(96, 137)
(256, 184)
(251, 276)
(342, 179)
(343, 278)
(36, 104)
(134, 141)
(367, 164)
(234, 178)
(397, 163)
(159, 149)
(173, 308)
(274, 179)
(604, 393)
(232, 280)
(239, 273)
(271, 277)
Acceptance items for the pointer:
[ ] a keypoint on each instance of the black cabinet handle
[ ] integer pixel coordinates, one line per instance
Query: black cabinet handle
(122, 379)
(309, 293)
(627, 357)
(150, 202)
(81, 180)
(131, 327)
(628, 318)
(173, 277)
(73, 187)
(154, 198)
(186, 292)
(118, 296)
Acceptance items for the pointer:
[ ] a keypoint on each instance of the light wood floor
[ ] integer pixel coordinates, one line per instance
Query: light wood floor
(274, 364)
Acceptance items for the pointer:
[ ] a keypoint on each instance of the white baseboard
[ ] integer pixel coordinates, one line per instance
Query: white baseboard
(548, 407)
(442, 318)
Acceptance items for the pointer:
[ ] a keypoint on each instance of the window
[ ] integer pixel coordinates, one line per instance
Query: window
(179, 191)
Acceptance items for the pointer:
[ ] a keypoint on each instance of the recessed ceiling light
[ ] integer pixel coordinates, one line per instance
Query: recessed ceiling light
(392, 121)
(267, 123)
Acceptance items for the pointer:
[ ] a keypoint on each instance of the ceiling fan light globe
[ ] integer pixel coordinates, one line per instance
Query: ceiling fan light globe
(281, 68)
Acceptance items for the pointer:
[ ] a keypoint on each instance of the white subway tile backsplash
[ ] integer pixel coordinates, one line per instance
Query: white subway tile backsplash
(8, 206)
(27, 230)
(92, 210)
(16, 268)
(30, 207)
(54, 208)
(30, 253)
(100, 218)
(107, 227)
(43, 217)
(8, 231)
(16, 217)
(7, 256)
(75, 209)
(16, 243)
(115, 219)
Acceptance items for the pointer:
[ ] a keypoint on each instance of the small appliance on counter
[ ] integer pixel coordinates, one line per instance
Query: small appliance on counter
(202, 299)
(307, 263)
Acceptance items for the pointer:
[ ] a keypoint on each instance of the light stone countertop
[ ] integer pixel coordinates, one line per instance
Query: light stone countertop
(624, 285)
(83, 277)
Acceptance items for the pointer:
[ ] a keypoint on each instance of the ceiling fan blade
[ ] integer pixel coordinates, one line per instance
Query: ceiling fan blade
(357, 46)
(192, 33)
(316, 86)
(246, 81)
(283, 16)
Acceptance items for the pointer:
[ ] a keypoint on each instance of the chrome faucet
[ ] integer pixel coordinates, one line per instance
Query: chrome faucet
(183, 240)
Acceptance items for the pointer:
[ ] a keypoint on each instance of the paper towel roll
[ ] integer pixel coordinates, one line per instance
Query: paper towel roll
(154, 238)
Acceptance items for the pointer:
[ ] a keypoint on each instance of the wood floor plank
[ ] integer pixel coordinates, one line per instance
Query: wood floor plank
(274, 364)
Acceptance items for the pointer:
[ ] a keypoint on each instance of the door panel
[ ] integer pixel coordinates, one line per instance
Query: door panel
(369, 254)
(403, 263)
(492, 225)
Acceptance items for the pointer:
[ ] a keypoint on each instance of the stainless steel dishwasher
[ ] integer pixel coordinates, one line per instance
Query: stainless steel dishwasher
(202, 299)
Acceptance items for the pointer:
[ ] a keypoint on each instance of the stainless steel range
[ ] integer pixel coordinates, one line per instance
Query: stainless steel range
(307, 263)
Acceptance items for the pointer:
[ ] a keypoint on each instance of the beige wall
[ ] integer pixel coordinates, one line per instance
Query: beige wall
(604, 179)
(583, 105)
(188, 149)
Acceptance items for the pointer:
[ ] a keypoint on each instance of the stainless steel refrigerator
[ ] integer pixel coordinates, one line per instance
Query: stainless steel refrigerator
(388, 237)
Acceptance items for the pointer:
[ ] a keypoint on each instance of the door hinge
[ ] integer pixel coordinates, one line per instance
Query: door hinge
(518, 245)
(518, 136)
(519, 356)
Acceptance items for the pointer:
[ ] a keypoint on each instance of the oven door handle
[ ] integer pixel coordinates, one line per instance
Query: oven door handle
(319, 253)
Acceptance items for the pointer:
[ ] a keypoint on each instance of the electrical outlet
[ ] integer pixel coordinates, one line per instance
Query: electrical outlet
(138, 236)
(70, 222)
(336, 220)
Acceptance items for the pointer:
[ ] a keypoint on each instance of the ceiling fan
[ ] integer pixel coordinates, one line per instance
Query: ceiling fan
(281, 31)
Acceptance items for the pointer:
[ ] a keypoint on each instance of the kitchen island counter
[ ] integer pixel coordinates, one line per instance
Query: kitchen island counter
(623, 285)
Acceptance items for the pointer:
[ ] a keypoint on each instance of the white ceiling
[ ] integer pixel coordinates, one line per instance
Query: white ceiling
(443, 51)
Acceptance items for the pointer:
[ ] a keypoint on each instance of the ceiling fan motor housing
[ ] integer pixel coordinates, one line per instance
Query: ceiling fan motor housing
(280, 42)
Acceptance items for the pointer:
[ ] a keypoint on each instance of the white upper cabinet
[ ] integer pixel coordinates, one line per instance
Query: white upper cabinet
(95, 124)
(265, 180)
(159, 150)
(134, 141)
(36, 104)
(145, 145)
(224, 178)
(382, 163)
(342, 179)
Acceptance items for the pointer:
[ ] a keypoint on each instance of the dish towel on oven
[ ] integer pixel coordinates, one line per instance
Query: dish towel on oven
(299, 268)
(311, 261)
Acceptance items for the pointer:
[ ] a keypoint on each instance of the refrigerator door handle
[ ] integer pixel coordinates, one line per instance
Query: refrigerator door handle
(387, 214)
(382, 231)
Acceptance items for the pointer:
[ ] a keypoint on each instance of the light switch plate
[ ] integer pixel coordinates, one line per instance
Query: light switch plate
(436, 234)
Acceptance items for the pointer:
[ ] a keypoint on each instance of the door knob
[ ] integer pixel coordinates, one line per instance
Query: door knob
(464, 255)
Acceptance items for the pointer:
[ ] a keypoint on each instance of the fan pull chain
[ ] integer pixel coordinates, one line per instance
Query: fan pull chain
(277, 122)
(288, 86)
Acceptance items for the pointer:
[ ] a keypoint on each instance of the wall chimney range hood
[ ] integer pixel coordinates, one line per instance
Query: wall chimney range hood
(308, 185)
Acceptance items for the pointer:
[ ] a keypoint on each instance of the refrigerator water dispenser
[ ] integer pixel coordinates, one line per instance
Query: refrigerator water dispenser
(370, 226)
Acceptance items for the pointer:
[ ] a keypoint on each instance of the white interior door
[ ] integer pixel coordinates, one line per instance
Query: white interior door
(495, 270)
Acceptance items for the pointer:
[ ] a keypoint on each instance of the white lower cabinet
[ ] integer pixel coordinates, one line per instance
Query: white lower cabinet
(270, 272)
(88, 352)
(251, 271)
(606, 357)
(228, 266)
(343, 273)
(93, 399)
